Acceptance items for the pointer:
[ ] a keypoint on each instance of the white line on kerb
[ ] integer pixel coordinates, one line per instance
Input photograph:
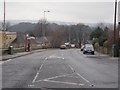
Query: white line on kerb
(7, 60)
(82, 77)
(2, 62)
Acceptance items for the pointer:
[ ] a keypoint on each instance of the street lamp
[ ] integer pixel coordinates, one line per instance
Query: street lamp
(45, 12)
(44, 21)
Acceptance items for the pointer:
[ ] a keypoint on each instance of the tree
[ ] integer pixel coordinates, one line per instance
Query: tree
(7, 26)
(100, 34)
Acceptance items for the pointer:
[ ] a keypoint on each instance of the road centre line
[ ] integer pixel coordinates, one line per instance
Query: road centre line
(82, 77)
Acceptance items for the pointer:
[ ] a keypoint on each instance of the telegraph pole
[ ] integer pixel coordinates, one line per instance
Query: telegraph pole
(115, 21)
(4, 29)
(4, 17)
(115, 45)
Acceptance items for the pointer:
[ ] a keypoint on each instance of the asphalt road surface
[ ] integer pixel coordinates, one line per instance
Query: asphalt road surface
(60, 69)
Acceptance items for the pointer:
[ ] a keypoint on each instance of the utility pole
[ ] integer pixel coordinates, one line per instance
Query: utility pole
(115, 21)
(70, 34)
(4, 28)
(115, 45)
(119, 37)
(119, 27)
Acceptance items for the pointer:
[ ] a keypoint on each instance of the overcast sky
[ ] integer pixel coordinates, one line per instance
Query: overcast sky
(83, 12)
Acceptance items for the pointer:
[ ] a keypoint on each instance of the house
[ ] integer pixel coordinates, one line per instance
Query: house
(6, 38)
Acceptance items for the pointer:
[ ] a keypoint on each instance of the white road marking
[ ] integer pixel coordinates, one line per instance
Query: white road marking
(82, 77)
(52, 56)
(30, 85)
(71, 68)
(37, 74)
(39, 70)
(55, 56)
(63, 82)
(1, 62)
(46, 58)
(73, 77)
(53, 77)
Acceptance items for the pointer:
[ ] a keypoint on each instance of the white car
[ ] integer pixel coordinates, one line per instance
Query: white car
(63, 47)
(72, 45)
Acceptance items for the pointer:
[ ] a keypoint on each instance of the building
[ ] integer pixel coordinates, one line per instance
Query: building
(6, 38)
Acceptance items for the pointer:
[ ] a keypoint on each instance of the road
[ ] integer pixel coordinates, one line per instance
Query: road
(60, 69)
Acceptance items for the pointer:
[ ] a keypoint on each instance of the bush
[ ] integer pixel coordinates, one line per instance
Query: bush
(96, 45)
(105, 44)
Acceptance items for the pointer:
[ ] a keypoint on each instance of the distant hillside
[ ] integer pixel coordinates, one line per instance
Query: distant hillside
(22, 27)
(28, 26)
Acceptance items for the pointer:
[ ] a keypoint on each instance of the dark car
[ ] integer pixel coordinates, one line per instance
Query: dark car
(88, 49)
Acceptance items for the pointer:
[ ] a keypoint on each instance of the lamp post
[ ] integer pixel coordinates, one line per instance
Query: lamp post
(44, 22)
(45, 12)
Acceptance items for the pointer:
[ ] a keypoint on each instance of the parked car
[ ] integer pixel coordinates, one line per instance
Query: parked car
(72, 45)
(88, 49)
(63, 47)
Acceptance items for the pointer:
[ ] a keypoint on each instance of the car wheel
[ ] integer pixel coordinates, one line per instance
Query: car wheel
(93, 53)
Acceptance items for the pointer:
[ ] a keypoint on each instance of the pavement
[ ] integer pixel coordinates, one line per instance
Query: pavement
(15, 55)
(57, 68)
(100, 55)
